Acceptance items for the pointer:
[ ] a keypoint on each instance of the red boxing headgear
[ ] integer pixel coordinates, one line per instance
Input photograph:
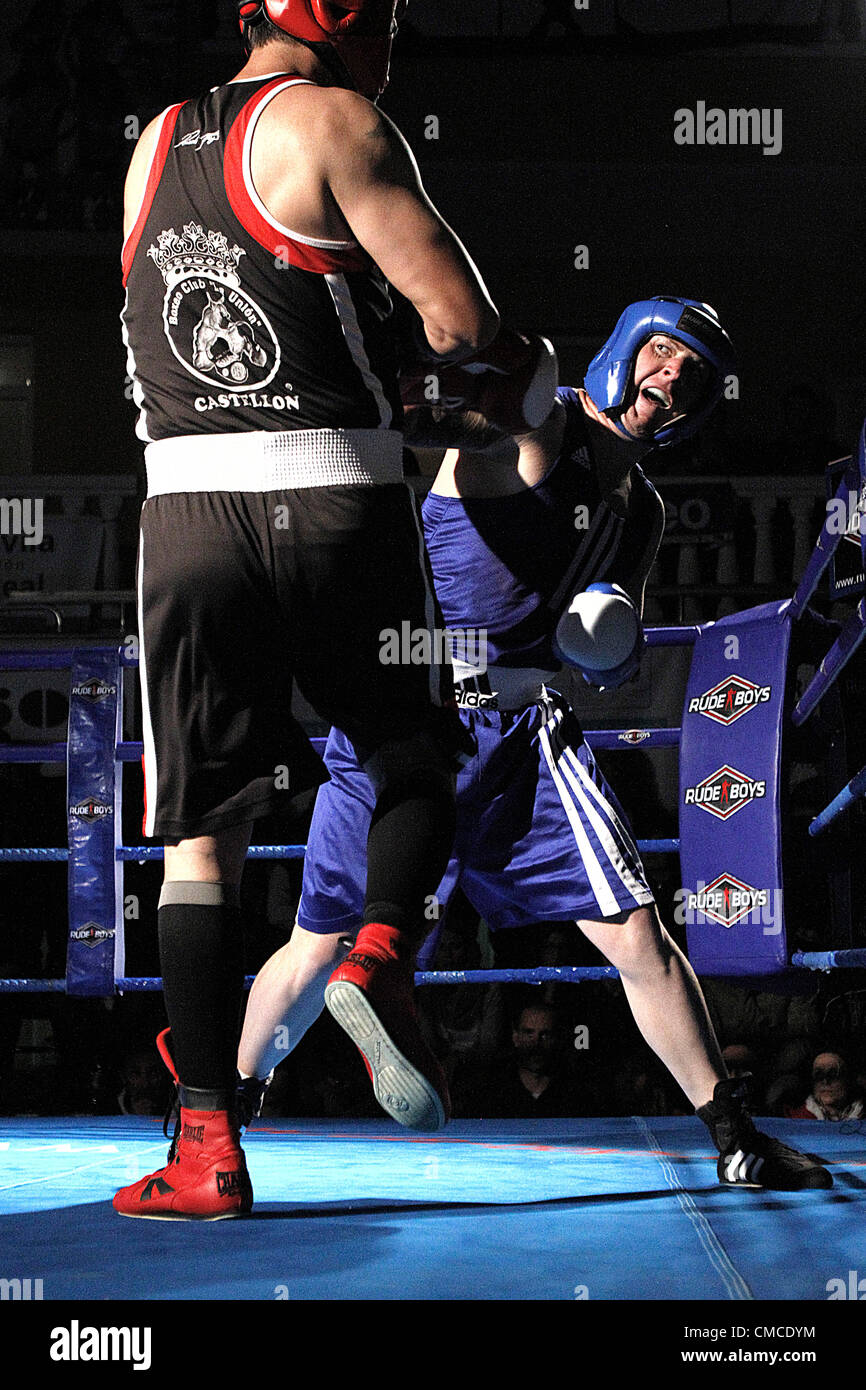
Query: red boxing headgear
(359, 31)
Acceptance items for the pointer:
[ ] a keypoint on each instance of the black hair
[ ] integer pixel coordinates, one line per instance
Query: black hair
(262, 31)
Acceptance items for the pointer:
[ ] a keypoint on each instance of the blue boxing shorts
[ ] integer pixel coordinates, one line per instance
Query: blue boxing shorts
(540, 836)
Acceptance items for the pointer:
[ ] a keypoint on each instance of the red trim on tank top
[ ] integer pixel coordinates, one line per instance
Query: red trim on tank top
(155, 174)
(322, 260)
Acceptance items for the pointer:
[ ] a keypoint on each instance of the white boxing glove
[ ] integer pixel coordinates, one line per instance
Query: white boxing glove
(601, 634)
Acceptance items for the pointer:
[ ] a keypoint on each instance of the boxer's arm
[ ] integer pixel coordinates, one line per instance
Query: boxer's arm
(370, 172)
(136, 177)
(482, 461)
(639, 543)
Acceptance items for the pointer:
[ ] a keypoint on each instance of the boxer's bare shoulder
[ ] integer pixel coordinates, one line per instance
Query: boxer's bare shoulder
(136, 177)
(307, 136)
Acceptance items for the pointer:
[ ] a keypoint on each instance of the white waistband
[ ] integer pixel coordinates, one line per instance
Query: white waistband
(270, 460)
(499, 687)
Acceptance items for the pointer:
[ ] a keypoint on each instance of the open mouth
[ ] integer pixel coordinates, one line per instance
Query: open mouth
(658, 397)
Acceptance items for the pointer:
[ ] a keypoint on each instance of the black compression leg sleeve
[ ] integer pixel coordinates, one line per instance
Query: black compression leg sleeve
(408, 848)
(201, 955)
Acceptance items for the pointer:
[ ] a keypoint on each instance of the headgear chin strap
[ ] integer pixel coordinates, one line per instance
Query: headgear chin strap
(610, 374)
(359, 33)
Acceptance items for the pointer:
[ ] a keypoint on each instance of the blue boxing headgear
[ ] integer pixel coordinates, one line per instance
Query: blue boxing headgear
(610, 374)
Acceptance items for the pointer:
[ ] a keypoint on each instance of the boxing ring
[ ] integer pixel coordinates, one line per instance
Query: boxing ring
(497, 1210)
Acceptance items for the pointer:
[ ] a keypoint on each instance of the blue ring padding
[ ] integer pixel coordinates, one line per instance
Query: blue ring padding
(829, 960)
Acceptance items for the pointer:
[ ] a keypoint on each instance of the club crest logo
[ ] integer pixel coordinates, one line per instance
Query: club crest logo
(215, 330)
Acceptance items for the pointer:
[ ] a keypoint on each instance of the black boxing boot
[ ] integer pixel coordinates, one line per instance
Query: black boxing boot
(748, 1158)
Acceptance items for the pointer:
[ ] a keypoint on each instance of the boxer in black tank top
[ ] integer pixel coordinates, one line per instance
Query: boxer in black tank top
(264, 222)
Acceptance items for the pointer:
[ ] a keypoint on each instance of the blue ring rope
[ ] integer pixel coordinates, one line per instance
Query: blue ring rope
(544, 974)
(131, 751)
(830, 960)
(143, 853)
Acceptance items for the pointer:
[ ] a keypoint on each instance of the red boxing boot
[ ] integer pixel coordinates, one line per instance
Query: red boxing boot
(371, 997)
(205, 1177)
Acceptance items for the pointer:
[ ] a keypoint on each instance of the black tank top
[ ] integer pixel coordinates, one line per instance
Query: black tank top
(232, 321)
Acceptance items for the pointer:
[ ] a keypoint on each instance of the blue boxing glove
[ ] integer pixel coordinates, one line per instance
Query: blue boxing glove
(601, 634)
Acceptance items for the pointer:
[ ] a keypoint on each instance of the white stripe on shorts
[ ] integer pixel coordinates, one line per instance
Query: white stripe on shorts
(150, 777)
(610, 833)
(595, 873)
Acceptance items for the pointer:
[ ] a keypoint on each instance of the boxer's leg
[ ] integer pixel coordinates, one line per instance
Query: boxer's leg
(664, 996)
(411, 832)
(390, 707)
(668, 1007)
(288, 994)
(201, 954)
(289, 991)
(371, 994)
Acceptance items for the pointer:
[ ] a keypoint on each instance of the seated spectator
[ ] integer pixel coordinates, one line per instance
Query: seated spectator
(739, 1059)
(832, 1096)
(536, 1079)
(146, 1084)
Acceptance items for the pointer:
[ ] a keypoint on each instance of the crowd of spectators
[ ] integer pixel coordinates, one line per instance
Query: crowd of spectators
(510, 1050)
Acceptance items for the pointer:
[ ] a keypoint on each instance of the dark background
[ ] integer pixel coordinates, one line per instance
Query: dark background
(553, 133)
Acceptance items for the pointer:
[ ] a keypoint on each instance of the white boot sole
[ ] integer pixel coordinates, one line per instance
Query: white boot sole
(402, 1090)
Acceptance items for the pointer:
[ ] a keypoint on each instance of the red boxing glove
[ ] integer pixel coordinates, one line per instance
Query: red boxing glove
(512, 382)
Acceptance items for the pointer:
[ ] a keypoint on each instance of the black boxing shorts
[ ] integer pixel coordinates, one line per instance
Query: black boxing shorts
(242, 592)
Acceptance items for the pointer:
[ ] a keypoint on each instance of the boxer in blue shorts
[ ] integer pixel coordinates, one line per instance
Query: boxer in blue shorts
(540, 836)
